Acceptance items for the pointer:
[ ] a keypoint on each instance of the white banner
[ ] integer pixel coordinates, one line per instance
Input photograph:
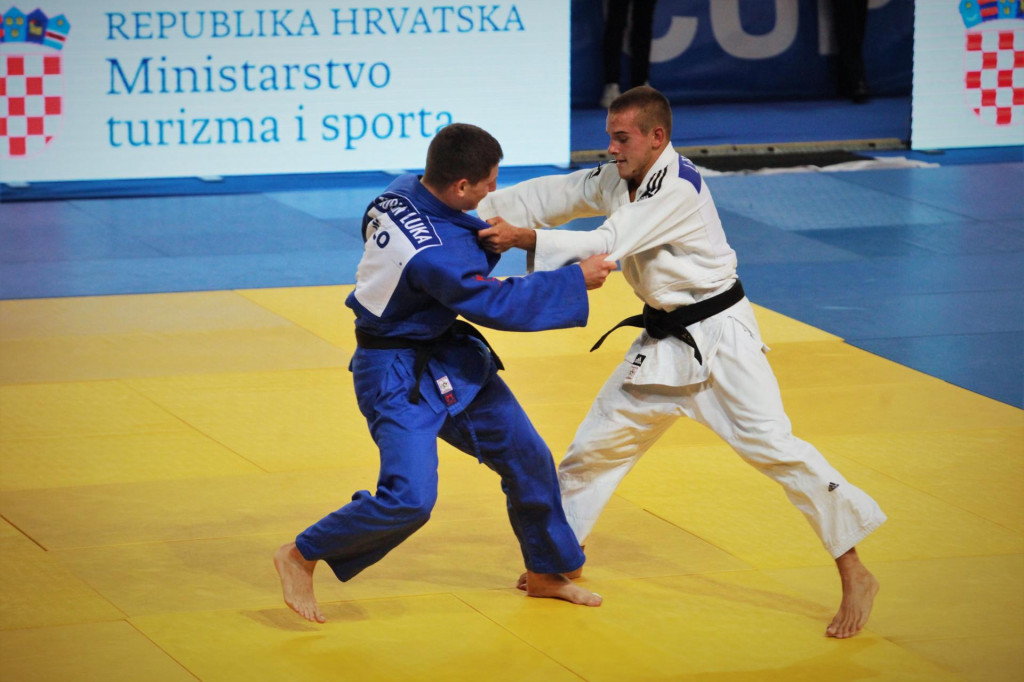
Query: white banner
(104, 89)
(968, 74)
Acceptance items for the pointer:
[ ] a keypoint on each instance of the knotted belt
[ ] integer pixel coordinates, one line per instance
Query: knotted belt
(660, 324)
(424, 348)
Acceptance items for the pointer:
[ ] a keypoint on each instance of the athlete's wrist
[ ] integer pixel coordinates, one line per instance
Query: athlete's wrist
(526, 238)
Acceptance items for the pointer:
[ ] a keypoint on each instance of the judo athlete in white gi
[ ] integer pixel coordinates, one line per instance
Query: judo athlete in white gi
(420, 374)
(700, 354)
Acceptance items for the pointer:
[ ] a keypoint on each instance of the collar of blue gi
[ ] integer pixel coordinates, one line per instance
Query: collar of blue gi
(410, 185)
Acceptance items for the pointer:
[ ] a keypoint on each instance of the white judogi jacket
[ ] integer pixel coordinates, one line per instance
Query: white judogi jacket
(670, 242)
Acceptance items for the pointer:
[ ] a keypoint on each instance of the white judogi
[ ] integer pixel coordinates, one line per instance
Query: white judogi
(673, 252)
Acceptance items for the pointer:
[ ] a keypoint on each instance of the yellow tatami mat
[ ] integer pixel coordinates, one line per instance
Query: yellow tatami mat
(157, 449)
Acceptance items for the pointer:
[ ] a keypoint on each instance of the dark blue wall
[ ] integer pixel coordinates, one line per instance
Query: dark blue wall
(716, 65)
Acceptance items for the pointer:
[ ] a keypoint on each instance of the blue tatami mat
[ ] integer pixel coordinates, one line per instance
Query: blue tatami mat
(991, 191)
(805, 201)
(922, 266)
(956, 238)
(989, 364)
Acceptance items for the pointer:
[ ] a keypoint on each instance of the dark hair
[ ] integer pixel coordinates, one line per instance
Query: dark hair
(652, 107)
(461, 150)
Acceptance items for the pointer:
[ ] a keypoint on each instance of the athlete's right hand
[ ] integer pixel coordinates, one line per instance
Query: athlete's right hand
(596, 269)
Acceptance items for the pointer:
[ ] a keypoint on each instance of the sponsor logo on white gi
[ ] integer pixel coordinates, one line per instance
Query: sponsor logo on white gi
(654, 184)
(639, 360)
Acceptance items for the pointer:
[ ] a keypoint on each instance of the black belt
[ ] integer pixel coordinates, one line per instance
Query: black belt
(424, 349)
(660, 324)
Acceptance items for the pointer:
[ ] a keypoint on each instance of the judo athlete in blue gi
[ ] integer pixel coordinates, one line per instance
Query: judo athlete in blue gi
(420, 374)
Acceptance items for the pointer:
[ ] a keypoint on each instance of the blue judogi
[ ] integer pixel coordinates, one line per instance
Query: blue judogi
(422, 267)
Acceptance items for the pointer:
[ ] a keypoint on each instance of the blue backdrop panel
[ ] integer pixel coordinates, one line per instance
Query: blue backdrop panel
(715, 50)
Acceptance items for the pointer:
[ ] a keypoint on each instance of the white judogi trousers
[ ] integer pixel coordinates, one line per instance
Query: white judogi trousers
(739, 401)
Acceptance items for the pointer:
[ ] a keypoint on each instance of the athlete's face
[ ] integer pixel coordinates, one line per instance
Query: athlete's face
(634, 151)
(473, 193)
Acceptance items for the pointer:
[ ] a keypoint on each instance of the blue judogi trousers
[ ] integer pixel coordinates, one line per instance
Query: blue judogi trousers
(494, 428)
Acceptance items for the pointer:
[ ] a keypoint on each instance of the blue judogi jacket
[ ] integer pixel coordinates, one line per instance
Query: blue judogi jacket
(421, 268)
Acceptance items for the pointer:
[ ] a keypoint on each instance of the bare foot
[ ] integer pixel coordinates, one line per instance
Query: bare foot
(557, 586)
(297, 582)
(859, 590)
(571, 575)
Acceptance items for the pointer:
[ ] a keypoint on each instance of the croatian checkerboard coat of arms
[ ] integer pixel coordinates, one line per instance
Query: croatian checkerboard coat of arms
(994, 60)
(31, 81)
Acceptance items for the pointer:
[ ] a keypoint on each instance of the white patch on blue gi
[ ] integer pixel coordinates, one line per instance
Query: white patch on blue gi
(396, 233)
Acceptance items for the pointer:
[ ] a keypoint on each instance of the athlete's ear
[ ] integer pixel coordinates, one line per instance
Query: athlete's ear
(460, 186)
(657, 136)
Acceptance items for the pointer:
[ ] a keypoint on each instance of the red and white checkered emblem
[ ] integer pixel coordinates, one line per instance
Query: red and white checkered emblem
(994, 75)
(31, 102)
